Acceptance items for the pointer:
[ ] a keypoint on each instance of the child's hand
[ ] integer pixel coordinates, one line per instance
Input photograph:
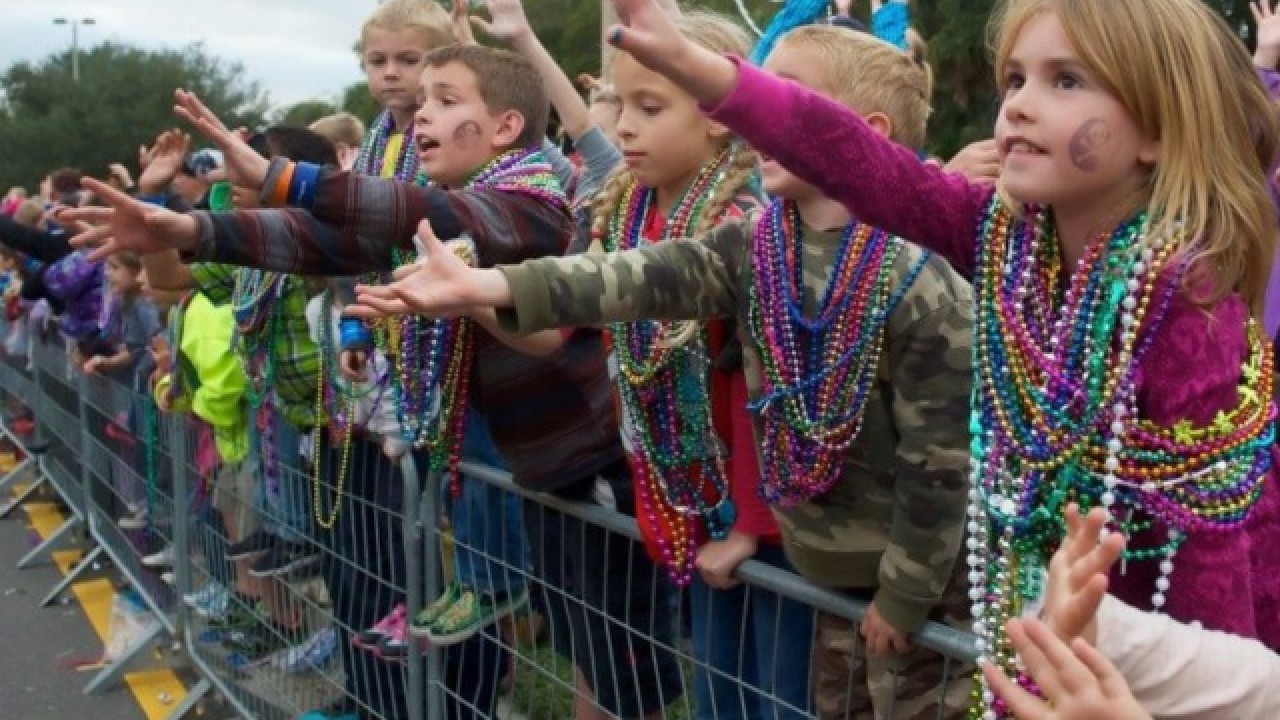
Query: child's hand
(90, 366)
(646, 31)
(126, 224)
(353, 365)
(1077, 681)
(1078, 575)
(461, 19)
(438, 285)
(160, 162)
(121, 174)
(979, 161)
(244, 166)
(1267, 53)
(244, 198)
(880, 636)
(719, 559)
(508, 22)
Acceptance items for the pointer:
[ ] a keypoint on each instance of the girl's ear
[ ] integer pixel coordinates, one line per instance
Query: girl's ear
(717, 131)
(881, 123)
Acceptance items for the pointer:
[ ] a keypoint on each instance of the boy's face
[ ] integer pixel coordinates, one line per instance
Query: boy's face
(455, 132)
(803, 64)
(393, 62)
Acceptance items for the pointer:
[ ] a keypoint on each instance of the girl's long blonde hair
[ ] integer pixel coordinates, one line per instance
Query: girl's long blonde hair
(718, 34)
(1188, 82)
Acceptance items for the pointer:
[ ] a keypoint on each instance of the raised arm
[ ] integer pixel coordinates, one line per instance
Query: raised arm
(816, 138)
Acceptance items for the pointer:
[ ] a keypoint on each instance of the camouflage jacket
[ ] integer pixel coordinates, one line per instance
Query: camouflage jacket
(895, 522)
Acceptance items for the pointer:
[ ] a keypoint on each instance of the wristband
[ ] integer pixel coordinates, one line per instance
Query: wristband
(302, 187)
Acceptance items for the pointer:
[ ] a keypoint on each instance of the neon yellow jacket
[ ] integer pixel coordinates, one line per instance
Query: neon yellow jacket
(212, 378)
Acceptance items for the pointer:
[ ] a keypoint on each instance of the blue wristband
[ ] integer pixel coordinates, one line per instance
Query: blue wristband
(302, 188)
(160, 199)
(353, 334)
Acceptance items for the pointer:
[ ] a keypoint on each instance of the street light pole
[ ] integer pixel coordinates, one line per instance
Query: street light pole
(75, 24)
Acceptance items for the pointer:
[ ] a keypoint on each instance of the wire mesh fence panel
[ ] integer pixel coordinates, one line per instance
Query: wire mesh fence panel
(297, 574)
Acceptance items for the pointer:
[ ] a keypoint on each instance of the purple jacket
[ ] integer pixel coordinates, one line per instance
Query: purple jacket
(1190, 372)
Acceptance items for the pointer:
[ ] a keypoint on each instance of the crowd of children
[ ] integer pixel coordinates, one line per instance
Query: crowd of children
(748, 312)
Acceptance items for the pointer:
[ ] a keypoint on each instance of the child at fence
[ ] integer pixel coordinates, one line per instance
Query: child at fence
(131, 322)
(1163, 226)
(549, 416)
(883, 518)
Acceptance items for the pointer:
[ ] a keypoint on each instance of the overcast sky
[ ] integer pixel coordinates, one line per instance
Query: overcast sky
(297, 49)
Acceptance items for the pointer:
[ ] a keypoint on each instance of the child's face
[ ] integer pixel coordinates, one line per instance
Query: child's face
(803, 64)
(455, 132)
(121, 277)
(1065, 140)
(393, 62)
(663, 137)
(8, 263)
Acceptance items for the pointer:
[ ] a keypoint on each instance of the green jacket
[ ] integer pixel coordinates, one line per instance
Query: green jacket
(895, 523)
(213, 382)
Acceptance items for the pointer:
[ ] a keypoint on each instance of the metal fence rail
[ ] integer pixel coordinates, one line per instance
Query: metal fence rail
(299, 577)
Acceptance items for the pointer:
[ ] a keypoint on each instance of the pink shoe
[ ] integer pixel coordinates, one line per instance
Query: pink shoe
(372, 637)
(394, 644)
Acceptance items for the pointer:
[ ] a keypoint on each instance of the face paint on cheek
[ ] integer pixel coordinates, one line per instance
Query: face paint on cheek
(1089, 143)
(463, 133)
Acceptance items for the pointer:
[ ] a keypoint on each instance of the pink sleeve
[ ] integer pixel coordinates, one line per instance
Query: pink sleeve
(830, 146)
(1187, 672)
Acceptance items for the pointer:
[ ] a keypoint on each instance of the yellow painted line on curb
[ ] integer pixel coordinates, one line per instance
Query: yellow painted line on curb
(156, 691)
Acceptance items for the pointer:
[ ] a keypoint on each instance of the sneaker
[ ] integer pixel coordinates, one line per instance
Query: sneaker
(209, 602)
(313, 654)
(168, 578)
(283, 558)
(258, 542)
(257, 643)
(428, 616)
(137, 518)
(472, 613)
(394, 644)
(369, 638)
(164, 558)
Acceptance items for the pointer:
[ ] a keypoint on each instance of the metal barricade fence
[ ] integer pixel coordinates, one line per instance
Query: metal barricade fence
(305, 576)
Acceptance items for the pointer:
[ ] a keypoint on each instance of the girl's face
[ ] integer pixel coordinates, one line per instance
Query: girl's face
(8, 264)
(122, 278)
(1064, 139)
(663, 137)
(393, 61)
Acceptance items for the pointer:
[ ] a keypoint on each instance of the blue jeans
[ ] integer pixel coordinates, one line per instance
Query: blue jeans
(488, 529)
(488, 524)
(762, 643)
(284, 509)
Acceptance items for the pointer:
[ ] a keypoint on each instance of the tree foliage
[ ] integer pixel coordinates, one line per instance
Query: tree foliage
(124, 97)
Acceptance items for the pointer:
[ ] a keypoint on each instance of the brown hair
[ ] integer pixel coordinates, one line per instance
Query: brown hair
(340, 127)
(871, 76)
(506, 81)
(427, 18)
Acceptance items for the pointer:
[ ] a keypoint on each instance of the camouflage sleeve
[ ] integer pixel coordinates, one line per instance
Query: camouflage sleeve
(675, 280)
(927, 354)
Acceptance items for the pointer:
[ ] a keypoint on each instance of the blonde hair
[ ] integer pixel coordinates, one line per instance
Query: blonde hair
(1166, 61)
(869, 75)
(424, 16)
(720, 35)
(340, 127)
(29, 213)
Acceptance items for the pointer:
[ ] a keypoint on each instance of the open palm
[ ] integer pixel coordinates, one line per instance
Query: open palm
(438, 285)
(245, 167)
(128, 225)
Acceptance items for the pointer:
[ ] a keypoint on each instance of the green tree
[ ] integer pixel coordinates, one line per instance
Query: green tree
(303, 113)
(124, 97)
(358, 101)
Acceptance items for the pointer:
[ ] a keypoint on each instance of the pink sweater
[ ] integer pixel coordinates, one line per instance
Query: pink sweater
(1228, 581)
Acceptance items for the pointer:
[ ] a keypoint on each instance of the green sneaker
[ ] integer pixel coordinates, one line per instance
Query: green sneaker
(421, 624)
(471, 614)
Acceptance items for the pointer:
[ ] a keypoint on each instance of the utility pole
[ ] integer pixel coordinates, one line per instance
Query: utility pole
(75, 24)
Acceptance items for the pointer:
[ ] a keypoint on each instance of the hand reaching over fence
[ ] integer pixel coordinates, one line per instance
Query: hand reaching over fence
(127, 224)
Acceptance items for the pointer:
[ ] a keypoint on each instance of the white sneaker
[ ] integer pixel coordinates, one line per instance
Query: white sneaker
(164, 558)
(137, 518)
